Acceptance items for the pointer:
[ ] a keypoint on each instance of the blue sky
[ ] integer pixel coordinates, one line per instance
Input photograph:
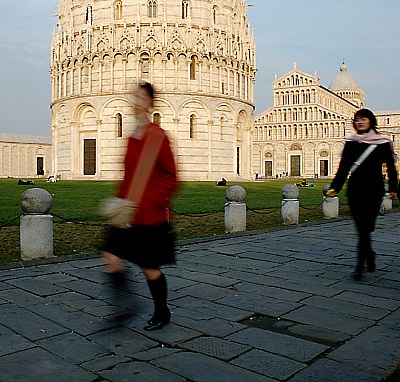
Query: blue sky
(317, 34)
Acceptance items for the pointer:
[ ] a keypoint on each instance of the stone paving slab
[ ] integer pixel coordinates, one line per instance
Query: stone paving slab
(329, 319)
(278, 305)
(329, 371)
(39, 365)
(268, 364)
(200, 368)
(281, 344)
(373, 350)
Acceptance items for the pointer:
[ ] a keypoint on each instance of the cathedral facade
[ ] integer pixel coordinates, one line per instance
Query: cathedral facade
(199, 55)
(303, 133)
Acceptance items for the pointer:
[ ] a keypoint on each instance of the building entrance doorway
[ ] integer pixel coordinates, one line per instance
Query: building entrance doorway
(89, 157)
(268, 168)
(295, 165)
(39, 166)
(323, 168)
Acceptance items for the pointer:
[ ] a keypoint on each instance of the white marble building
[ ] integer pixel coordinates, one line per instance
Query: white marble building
(303, 133)
(25, 156)
(199, 54)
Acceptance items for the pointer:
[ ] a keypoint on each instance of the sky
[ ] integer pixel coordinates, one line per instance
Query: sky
(316, 34)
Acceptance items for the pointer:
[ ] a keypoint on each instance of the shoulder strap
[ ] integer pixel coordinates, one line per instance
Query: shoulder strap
(362, 158)
(147, 160)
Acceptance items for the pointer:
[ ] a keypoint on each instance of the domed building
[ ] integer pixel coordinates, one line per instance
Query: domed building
(303, 133)
(200, 56)
(345, 86)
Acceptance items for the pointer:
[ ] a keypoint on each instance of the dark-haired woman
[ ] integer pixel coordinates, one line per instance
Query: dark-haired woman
(148, 243)
(365, 185)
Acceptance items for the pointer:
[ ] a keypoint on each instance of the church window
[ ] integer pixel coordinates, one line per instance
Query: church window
(118, 10)
(214, 14)
(145, 66)
(192, 126)
(118, 119)
(324, 153)
(157, 119)
(152, 8)
(193, 68)
(185, 9)
(223, 127)
(89, 15)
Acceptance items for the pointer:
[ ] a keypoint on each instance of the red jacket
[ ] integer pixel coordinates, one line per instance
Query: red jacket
(153, 207)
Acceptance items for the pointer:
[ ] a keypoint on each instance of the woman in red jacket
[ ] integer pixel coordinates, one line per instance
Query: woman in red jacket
(149, 242)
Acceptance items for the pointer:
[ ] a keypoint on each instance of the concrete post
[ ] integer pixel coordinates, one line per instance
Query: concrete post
(36, 225)
(235, 209)
(330, 207)
(387, 203)
(290, 204)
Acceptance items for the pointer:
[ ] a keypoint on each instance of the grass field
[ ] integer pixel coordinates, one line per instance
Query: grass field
(198, 210)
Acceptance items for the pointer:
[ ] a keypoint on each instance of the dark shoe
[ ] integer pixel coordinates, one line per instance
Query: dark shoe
(371, 267)
(357, 276)
(156, 323)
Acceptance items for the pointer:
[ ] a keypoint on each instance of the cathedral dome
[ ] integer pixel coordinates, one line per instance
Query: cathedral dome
(344, 81)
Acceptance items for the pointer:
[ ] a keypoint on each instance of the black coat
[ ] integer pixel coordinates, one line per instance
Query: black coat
(366, 183)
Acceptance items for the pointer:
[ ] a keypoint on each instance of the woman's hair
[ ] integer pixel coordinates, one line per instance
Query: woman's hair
(148, 88)
(365, 113)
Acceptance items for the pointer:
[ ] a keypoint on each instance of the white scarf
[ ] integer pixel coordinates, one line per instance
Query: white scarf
(372, 138)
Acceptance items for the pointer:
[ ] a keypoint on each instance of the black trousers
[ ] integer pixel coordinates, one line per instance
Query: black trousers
(364, 212)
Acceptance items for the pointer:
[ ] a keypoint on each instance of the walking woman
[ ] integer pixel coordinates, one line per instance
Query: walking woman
(366, 183)
(148, 242)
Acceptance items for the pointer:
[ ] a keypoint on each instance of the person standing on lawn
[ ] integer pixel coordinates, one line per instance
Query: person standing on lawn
(149, 242)
(365, 185)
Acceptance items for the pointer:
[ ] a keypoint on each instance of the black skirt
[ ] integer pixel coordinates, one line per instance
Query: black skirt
(146, 246)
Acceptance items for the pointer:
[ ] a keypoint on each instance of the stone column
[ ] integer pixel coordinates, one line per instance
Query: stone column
(387, 203)
(235, 209)
(330, 207)
(290, 204)
(36, 225)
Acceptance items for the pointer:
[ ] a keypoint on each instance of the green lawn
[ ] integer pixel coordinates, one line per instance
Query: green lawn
(198, 209)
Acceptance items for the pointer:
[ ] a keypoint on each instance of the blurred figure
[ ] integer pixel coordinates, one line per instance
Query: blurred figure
(222, 182)
(365, 185)
(149, 242)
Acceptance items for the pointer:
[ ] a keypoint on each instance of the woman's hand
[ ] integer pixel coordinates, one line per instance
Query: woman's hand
(392, 195)
(331, 192)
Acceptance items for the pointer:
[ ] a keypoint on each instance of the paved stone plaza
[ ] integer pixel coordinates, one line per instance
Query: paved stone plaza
(273, 306)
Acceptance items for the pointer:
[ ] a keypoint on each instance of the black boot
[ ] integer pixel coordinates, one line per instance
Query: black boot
(119, 298)
(162, 314)
(118, 280)
(364, 248)
(358, 271)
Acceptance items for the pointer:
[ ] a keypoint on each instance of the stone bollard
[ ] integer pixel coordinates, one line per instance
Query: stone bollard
(235, 209)
(387, 203)
(290, 204)
(330, 207)
(36, 225)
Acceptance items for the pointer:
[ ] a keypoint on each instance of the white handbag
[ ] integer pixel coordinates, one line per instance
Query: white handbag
(117, 212)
